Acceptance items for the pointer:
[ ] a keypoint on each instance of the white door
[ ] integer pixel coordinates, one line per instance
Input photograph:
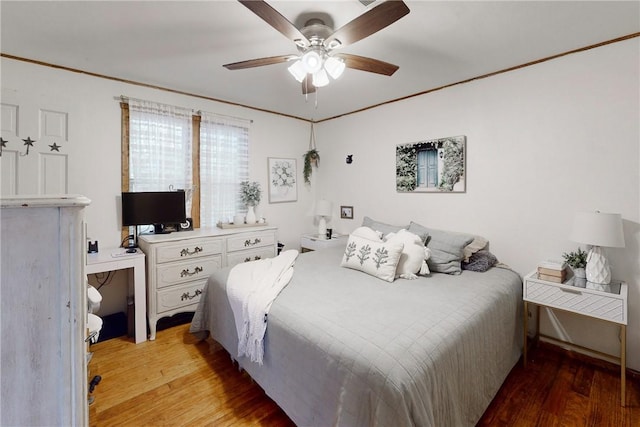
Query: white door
(35, 143)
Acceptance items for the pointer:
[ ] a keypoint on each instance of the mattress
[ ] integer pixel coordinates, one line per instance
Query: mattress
(343, 348)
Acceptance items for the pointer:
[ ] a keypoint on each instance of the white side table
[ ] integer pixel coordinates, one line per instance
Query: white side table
(313, 242)
(603, 302)
(112, 259)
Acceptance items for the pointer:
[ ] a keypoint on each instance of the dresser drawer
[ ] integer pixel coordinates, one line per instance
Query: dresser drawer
(179, 272)
(577, 300)
(251, 255)
(179, 296)
(188, 249)
(249, 241)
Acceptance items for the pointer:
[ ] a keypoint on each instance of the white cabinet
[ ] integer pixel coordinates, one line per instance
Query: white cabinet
(179, 264)
(43, 302)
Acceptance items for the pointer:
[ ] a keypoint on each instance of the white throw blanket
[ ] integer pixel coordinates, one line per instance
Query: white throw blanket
(251, 289)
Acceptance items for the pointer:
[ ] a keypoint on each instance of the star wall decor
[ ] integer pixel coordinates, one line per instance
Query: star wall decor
(3, 144)
(55, 147)
(29, 143)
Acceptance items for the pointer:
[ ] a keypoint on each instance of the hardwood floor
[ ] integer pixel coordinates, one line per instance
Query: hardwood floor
(178, 381)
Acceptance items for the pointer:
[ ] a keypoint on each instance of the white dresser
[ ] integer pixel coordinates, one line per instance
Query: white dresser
(43, 302)
(179, 263)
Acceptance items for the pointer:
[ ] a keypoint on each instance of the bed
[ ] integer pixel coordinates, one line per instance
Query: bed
(344, 348)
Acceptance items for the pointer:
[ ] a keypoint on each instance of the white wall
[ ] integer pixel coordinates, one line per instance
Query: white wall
(543, 143)
(94, 149)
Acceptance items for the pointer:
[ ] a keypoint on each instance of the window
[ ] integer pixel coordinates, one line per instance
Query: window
(166, 147)
(159, 147)
(224, 163)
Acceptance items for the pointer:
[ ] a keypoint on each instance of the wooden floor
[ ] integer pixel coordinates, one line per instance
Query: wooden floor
(178, 381)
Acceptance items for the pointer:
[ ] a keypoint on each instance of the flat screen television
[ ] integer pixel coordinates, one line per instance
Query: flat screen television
(156, 208)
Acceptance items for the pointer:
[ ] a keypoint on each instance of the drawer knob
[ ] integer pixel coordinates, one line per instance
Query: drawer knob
(248, 242)
(187, 252)
(255, 258)
(188, 296)
(187, 273)
(571, 291)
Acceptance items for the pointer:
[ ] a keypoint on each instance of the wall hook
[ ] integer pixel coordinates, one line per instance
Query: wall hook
(29, 143)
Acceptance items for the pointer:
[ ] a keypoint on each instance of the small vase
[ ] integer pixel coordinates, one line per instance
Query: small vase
(580, 277)
(251, 215)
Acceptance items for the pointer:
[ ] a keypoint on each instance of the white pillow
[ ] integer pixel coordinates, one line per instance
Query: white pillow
(376, 258)
(367, 233)
(413, 260)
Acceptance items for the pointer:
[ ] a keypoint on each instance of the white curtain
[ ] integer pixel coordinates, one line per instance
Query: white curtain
(224, 163)
(159, 148)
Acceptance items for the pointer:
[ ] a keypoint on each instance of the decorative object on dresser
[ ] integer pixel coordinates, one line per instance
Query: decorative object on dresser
(577, 261)
(323, 211)
(44, 311)
(179, 264)
(250, 193)
(604, 302)
(598, 229)
(283, 184)
(552, 271)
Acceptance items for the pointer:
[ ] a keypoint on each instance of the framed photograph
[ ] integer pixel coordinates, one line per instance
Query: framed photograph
(432, 166)
(283, 181)
(346, 212)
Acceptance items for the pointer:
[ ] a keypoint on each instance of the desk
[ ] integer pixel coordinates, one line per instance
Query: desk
(105, 261)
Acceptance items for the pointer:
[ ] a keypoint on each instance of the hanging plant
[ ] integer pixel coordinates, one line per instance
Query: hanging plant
(311, 157)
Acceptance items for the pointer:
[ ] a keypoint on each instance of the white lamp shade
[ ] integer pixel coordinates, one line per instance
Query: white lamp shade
(320, 79)
(297, 71)
(334, 67)
(323, 208)
(598, 229)
(311, 61)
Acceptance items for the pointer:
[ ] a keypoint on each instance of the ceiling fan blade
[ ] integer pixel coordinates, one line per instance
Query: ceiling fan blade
(259, 62)
(307, 86)
(372, 21)
(368, 64)
(276, 20)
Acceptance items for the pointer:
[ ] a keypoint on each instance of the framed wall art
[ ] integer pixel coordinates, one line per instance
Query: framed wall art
(346, 212)
(283, 182)
(432, 166)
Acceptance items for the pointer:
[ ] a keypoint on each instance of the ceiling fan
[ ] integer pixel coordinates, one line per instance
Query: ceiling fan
(317, 43)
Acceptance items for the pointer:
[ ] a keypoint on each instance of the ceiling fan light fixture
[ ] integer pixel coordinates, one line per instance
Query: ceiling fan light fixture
(297, 71)
(311, 61)
(320, 78)
(334, 66)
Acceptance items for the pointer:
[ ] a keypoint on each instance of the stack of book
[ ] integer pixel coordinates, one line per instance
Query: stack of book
(552, 271)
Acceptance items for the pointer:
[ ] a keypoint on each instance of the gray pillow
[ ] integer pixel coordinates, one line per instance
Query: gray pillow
(447, 248)
(381, 226)
(481, 261)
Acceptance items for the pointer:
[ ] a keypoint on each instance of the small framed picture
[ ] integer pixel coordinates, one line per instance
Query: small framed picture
(346, 212)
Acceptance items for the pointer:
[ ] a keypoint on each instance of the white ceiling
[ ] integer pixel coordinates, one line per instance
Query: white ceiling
(182, 45)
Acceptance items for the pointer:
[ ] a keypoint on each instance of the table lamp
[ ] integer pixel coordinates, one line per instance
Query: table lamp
(598, 229)
(323, 210)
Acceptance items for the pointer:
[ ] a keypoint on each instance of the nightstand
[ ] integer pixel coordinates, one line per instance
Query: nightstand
(313, 242)
(603, 302)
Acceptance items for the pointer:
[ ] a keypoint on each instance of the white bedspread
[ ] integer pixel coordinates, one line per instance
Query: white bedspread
(251, 289)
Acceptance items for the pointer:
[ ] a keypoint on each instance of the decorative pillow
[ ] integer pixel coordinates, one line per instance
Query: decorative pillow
(447, 248)
(381, 226)
(481, 261)
(367, 233)
(413, 260)
(376, 258)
